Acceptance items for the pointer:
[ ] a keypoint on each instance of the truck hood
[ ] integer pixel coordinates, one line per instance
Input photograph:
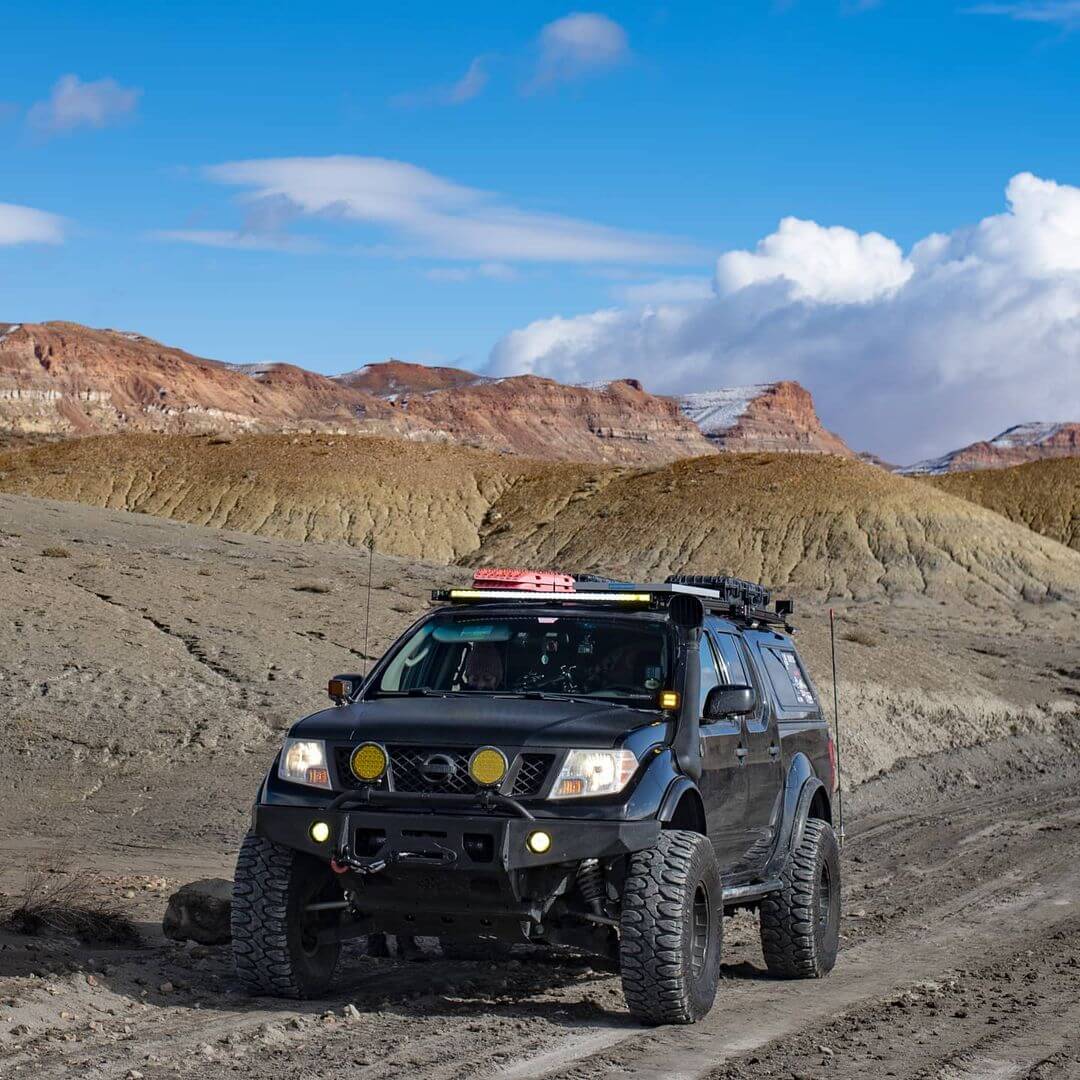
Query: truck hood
(475, 721)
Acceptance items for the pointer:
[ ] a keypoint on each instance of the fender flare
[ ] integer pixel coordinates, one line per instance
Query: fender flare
(801, 786)
(678, 788)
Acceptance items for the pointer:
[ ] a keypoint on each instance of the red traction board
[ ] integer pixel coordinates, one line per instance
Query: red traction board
(523, 580)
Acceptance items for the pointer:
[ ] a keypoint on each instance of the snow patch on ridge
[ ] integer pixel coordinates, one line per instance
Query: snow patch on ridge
(718, 411)
(1033, 434)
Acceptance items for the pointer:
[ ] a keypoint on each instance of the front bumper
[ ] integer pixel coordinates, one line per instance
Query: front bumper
(476, 842)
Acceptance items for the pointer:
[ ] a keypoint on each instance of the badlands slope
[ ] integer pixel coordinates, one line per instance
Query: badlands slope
(814, 523)
(1043, 495)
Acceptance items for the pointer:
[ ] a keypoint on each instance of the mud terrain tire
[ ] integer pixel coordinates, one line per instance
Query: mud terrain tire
(800, 925)
(273, 944)
(671, 930)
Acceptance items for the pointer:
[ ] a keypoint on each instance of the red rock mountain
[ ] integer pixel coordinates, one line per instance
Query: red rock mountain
(618, 422)
(59, 380)
(392, 378)
(1016, 446)
(776, 416)
(62, 378)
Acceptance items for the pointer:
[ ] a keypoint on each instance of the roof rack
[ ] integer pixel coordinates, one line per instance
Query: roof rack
(728, 597)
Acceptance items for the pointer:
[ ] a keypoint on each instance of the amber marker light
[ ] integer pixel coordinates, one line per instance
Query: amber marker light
(488, 766)
(669, 699)
(369, 762)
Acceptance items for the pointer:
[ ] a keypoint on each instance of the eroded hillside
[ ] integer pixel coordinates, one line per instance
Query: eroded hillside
(816, 523)
(1043, 495)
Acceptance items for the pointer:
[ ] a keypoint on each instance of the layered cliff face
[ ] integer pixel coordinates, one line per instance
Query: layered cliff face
(1016, 446)
(775, 417)
(393, 379)
(65, 379)
(618, 422)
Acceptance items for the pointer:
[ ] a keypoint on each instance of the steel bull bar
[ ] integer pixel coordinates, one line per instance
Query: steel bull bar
(372, 830)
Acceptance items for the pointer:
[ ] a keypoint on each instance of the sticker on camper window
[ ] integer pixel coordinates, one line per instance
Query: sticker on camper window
(786, 675)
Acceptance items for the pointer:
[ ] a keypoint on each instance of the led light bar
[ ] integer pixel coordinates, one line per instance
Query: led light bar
(518, 597)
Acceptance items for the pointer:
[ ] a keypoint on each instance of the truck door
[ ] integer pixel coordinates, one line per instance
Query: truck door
(723, 774)
(764, 770)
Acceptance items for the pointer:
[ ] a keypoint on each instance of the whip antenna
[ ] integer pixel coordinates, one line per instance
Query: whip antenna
(369, 543)
(836, 722)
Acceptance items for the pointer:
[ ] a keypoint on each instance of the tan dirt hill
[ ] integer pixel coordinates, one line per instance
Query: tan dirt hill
(817, 523)
(1043, 495)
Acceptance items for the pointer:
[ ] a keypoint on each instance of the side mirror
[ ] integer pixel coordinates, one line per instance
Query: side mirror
(342, 687)
(724, 701)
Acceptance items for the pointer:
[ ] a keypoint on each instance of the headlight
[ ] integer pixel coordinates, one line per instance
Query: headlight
(594, 772)
(303, 761)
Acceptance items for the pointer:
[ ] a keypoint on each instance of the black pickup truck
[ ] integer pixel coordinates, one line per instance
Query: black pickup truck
(560, 761)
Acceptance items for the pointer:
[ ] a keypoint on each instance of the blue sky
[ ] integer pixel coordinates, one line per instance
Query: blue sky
(652, 141)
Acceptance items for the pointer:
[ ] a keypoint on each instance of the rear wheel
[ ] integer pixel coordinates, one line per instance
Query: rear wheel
(275, 938)
(671, 930)
(800, 925)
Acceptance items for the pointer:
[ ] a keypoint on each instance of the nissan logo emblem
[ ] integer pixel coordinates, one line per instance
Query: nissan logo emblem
(438, 768)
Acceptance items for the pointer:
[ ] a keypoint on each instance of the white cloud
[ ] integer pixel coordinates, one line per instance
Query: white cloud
(241, 240)
(492, 271)
(1055, 12)
(970, 333)
(835, 265)
(429, 216)
(25, 225)
(576, 46)
(665, 291)
(74, 104)
(469, 86)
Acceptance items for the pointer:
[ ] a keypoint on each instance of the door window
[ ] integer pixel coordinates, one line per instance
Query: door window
(788, 678)
(709, 675)
(734, 669)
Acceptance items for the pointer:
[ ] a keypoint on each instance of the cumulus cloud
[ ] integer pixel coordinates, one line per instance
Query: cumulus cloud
(469, 86)
(1055, 12)
(577, 46)
(665, 291)
(74, 104)
(429, 216)
(25, 225)
(908, 355)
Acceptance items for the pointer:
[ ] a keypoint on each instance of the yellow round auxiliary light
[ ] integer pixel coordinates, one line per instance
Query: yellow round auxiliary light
(488, 766)
(368, 761)
(320, 832)
(538, 842)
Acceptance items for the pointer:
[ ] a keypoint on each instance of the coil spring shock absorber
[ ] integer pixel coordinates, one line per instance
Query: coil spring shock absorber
(590, 882)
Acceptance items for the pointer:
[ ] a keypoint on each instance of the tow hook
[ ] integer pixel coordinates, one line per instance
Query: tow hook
(342, 863)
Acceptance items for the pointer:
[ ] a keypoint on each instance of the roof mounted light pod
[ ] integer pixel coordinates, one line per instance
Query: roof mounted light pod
(547, 581)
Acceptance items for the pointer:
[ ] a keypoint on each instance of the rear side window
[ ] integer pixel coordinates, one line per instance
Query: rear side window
(788, 679)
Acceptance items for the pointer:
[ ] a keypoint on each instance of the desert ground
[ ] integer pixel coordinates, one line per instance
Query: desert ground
(149, 667)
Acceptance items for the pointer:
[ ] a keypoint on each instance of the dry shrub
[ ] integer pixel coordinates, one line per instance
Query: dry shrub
(56, 553)
(66, 904)
(861, 637)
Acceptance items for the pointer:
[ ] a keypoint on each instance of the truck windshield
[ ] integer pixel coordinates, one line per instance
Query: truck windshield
(617, 659)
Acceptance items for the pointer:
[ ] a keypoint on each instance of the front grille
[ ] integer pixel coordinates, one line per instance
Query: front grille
(444, 771)
(531, 774)
(409, 765)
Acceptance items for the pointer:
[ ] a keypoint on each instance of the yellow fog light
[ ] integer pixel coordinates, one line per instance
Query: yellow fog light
(368, 761)
(320, 832)
(538, 842)
(669, 699)
(488, 766)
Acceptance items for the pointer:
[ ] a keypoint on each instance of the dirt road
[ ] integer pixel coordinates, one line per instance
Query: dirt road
(960, 960)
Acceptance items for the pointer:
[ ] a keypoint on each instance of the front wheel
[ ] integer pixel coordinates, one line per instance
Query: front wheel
(671, 929)
(276, 943)
(800, 925)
